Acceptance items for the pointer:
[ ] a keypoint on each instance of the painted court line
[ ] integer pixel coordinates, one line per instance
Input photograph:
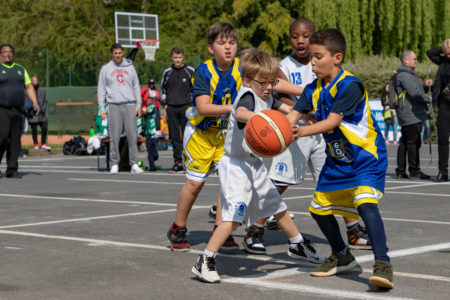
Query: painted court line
(272, 274)
(306, 289)
(92, 200)
(91, 218)
(409, 186)
(420, 194)
(387, 219)
(134, 181)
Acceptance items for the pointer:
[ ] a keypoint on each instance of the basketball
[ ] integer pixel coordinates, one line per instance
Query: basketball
(268, 133)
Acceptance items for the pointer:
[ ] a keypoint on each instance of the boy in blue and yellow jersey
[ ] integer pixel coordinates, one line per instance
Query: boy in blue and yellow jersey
(352, 180)
(215, 86)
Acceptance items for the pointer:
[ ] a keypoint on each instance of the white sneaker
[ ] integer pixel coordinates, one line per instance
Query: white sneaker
(45, 147)
(114, 169)
(135, 169)
(205, 269)
(306, 251)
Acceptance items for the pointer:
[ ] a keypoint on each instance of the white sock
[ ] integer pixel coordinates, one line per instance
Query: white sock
(209, 253)
(297, 239)
(259, 225)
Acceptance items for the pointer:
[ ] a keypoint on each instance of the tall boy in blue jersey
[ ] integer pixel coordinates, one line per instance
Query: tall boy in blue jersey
(215, 86)
(352, 180)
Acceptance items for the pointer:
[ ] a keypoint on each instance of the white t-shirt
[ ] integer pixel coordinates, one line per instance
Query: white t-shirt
(296, 72)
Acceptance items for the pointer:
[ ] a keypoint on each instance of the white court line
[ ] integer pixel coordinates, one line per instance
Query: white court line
(251, 280)
(298, 197)
(419, 194)
(171, 204)
(411, 186)
(272, 274)
(91, 218)
(306, 289)
(134, 181)
(387, 219)
(91, 200)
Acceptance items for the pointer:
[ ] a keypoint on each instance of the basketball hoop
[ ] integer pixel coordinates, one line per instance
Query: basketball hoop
(149, 47)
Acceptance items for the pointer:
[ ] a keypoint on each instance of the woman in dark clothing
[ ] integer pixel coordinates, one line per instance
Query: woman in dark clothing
(441, 98)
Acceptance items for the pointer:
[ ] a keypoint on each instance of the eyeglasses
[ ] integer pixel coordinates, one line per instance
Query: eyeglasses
(265, 84)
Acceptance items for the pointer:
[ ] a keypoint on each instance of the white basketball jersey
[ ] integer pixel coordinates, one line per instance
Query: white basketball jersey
(235, 144)
(296, 72)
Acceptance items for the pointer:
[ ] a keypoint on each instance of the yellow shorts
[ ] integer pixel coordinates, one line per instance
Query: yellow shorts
(202, 150)
(344, 202)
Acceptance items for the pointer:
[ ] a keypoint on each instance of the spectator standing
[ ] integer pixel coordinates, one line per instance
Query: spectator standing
(40, 119)
(411, 113)
(14, 84)
(150, 91)
(441, 98)
(118, 83)
(176, 96)
(390, 117)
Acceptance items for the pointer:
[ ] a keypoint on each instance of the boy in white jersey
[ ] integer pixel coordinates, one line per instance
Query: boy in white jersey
(246, 193)
(289, 167)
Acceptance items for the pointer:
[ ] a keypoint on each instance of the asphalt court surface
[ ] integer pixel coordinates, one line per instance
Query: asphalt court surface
(68, 231)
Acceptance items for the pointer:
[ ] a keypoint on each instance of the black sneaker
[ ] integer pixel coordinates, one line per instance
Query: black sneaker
(383, 275)
(177, 238)
(253, 241)
(358, 238)
(420, 176)
(13, 175)
(306, 251)
(213, 211)
(400, 175)
(177, 169)
(205, 269)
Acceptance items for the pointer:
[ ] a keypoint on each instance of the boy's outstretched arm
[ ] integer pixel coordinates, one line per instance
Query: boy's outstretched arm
(326, 125)
(205, 108)
(285, 87)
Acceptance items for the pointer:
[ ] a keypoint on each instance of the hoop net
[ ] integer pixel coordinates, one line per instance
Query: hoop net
(149, 47)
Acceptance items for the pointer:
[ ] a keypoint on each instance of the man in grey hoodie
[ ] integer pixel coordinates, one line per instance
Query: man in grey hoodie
(118, 84)
(411, 113)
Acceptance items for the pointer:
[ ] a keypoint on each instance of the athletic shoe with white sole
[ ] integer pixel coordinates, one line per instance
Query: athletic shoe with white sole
(382, 275)
(334, 264)
(358, 238)
(305, 251)
(45, 147)
(213, 211)
(135, 169)
(114, 169)
(205, 269)
(253, 241)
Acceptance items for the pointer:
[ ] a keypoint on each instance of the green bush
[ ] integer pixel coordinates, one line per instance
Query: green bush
(375, 71)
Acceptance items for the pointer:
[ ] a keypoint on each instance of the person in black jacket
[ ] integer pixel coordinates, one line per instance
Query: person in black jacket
(176, 97)
(441, 98)
(15, 84)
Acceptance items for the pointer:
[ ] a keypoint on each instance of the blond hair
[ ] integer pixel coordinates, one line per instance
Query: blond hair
(255, 62)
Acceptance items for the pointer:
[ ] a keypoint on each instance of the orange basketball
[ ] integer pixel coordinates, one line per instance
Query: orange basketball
(268, 133)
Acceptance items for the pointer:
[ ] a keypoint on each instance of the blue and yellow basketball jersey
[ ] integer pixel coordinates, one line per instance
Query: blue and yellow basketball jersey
(356, 151)
(223, 90)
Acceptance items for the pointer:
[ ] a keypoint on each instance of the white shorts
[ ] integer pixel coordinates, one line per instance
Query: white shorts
(290, 166)
(246, 193)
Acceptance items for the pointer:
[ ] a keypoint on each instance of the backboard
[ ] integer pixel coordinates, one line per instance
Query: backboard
(133, 27)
